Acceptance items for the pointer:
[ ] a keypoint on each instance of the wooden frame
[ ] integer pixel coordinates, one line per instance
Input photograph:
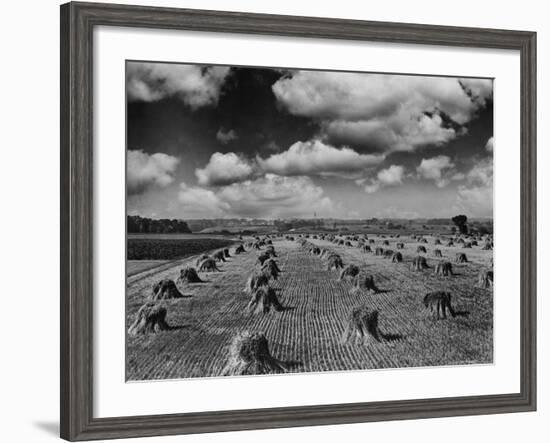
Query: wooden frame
(77, 23)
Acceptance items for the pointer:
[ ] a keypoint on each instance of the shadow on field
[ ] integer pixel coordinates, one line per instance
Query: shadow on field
(392, 337)
(291, 364)
(462, 313)
(178, 327)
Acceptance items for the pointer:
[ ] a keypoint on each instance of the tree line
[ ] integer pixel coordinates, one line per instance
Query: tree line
(143, 225)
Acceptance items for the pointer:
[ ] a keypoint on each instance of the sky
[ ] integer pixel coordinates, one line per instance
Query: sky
(243, 142)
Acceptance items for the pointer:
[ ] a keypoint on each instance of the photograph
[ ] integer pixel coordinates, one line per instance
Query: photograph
(275, 220)
(284, 220)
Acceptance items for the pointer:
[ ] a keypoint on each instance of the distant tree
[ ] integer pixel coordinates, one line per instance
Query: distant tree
(453, 229)
(460, 222)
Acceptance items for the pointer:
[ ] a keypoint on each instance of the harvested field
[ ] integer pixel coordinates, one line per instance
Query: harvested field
(134, 267)
(317, 307)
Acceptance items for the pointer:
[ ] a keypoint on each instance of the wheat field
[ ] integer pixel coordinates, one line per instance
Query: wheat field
(317, 305)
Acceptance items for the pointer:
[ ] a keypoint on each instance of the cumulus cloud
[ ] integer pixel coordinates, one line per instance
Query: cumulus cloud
(476, 195)
(316, 158)
(490, 144)
(398, 132)
(224, 169)
(301, 159)
(225, 137)
(391, 176)
(201, 201)
(195, 85)
(436, 169)
(268, 196)
(482, 173)
(386, 112)
(145, 171)
(279, 196)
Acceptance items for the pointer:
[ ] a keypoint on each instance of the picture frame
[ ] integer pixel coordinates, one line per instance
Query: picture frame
(78, 21)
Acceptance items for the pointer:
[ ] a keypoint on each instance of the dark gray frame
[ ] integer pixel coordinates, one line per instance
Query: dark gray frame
(77, 24)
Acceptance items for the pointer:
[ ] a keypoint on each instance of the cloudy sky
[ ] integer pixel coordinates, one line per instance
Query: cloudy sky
(214, 141)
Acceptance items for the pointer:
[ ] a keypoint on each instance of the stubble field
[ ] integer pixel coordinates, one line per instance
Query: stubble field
(308, 332)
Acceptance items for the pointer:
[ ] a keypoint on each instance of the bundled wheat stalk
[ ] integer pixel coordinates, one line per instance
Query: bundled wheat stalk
(362, 326)
(165, 289)
(249, 355)
(150, 318)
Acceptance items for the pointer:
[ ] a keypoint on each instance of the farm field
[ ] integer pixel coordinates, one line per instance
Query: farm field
(307, 333)
(168, 248)
(136, 266)
(194, 236)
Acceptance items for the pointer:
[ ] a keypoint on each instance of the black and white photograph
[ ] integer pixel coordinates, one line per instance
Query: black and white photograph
(250, 222)
(285, 220)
